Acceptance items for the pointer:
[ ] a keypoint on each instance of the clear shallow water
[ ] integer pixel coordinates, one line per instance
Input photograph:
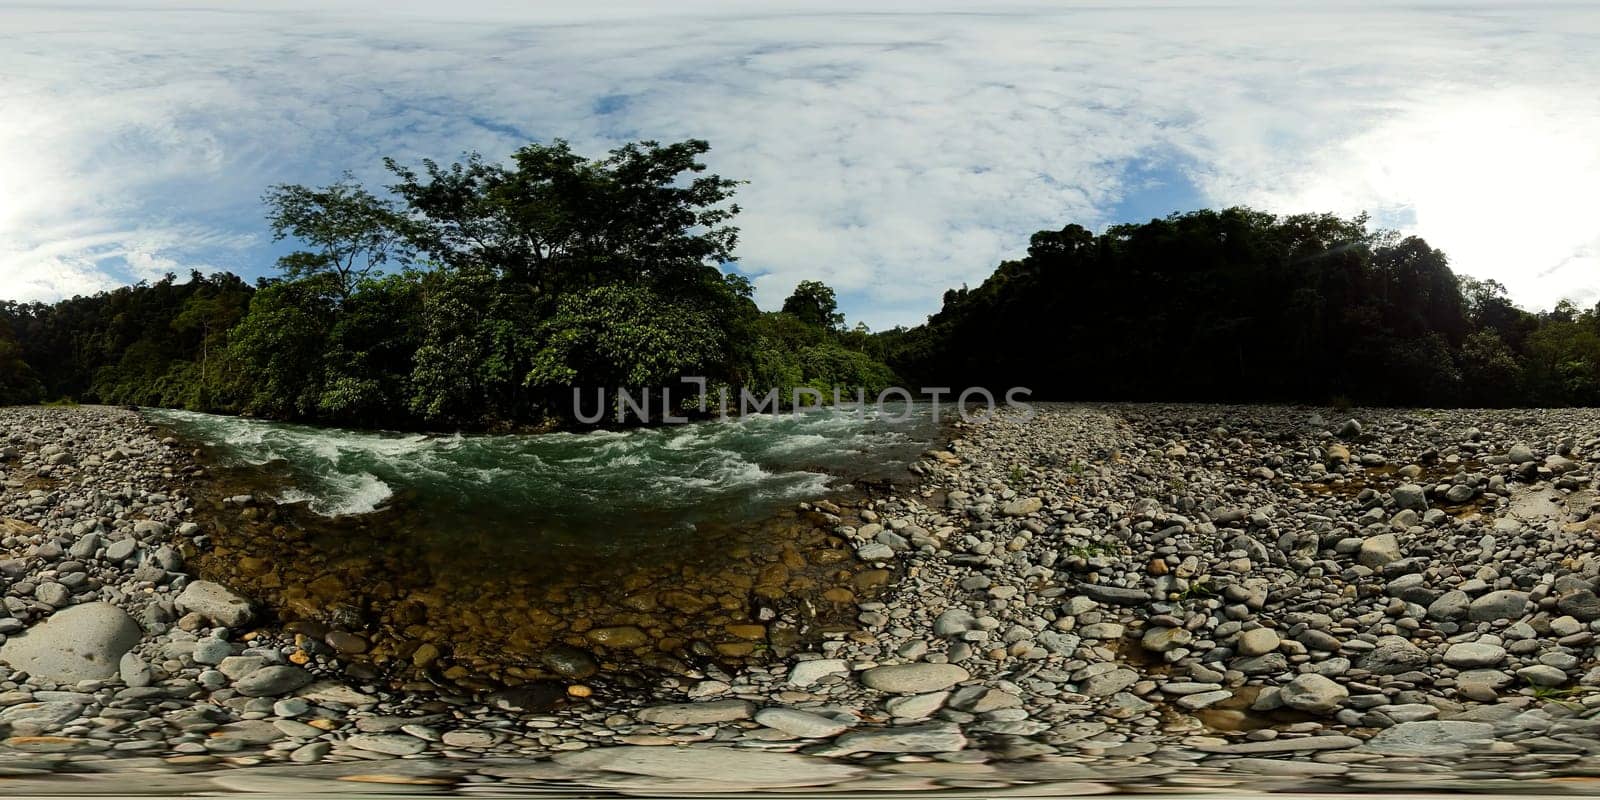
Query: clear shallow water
(566, 485)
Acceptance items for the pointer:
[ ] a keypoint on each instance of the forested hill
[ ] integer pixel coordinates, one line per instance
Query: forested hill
(1239, 305)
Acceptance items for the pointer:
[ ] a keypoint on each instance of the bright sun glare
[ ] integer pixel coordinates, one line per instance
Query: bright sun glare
(1505, 183)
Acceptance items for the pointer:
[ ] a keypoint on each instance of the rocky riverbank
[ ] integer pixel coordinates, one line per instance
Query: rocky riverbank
(1098, 598)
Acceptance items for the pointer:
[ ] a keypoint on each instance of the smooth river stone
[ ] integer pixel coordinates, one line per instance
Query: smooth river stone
(81, 643)
(713, 764)
(698, 713)
(800, 723)
(914, 678)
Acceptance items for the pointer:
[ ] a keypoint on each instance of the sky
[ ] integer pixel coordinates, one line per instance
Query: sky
(892, 149)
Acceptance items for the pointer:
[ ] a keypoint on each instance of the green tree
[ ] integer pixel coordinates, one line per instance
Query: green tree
(18, 383)
(1491, 373)
(276, 351)
(555, 221)
(814, 303)
(350, 232)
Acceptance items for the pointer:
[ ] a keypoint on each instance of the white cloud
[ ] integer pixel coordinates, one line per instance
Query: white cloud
(893, 155)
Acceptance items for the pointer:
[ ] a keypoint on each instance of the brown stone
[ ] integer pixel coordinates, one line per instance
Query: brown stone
(620, 637)
(774, 574)
(871, 578)
(346, 642)
(425, 655)
(680, 600)
(747, 631)
(251, 565)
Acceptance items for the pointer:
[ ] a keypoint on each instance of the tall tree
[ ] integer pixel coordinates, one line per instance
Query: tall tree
(350, 232)
(814, 303)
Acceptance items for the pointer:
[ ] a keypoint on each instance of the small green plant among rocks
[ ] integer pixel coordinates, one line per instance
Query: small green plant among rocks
(1560, 695)
(1197, 589)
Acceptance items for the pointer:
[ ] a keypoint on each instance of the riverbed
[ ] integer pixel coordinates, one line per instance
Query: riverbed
(481, 562)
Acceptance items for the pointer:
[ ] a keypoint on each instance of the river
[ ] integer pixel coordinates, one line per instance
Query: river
(644, 547)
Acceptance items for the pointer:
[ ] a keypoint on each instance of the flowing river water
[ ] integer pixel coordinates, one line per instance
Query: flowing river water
(485, 562)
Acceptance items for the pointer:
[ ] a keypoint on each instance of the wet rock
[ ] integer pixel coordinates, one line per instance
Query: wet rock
(346, 643)
(622, 637)
(537, 698)
(569, 662)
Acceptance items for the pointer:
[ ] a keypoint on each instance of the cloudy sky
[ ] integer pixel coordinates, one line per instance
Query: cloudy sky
(892, 149)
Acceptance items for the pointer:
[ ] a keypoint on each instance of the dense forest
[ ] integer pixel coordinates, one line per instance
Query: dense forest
(1239, 305)
(476, 295)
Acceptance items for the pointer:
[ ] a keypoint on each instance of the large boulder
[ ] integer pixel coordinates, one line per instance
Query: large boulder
(1379, 550)
(81, 643)
(1432, 738)
(1393, 655)
(214, 602)
(1410, 495)
(272, 681)
(1501, 606)
(1313, 693)
(913, 678)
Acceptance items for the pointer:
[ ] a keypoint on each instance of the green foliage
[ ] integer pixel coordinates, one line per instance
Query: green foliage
(814, 304)
(1491, 374)
(150, 344)
(542, 274)
(520, 280)
(805, 346)
(1238, 305)
(351, 232)
(18, 383)
(623, 336)
(276, 351)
